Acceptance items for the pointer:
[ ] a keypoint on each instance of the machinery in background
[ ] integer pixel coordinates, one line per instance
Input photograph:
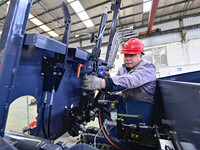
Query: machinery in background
(32, 64)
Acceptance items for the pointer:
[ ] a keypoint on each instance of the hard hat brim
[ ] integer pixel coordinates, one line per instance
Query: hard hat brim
(127, 51)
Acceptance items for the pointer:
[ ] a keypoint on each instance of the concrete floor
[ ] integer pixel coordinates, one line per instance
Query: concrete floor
(18, 116)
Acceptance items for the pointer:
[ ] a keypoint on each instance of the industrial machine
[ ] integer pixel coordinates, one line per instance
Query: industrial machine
(32, 64)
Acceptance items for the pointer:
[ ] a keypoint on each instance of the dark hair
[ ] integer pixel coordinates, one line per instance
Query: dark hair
(142, 53)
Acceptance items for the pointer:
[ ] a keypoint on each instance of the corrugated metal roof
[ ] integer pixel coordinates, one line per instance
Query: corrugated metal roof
(167, 16)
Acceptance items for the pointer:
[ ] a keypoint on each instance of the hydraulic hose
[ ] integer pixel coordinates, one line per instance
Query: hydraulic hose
(105, 134)
(50, 108)
(43, 111)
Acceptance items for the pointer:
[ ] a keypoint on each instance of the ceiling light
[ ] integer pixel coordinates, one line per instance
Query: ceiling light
(36, 21)
(69, 1)
(77, 35)
(77, 6)
(88, 23)
(146, 6)
(45, 28)
(30, 16)
(83, 15)
(53, 34)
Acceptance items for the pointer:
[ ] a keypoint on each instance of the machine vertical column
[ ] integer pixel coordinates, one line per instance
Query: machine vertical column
(116, 8)
(11, 45)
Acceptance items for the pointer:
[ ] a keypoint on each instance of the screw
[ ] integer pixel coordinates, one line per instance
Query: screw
(175, 132)
(112, 105)
(132, 135)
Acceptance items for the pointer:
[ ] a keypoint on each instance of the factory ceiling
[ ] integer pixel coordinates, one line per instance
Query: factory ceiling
(132, 13)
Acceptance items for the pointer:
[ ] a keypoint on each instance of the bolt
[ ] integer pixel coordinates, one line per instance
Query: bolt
(89, 67)
(112, 105)
(92, 113)
(72, 105)
(175, 132)
(132, 135)
(84, 123)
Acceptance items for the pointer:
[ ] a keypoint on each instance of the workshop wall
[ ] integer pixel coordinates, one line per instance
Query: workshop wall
(182, 57)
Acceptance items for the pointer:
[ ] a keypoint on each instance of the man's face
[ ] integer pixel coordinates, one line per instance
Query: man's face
(132, 60)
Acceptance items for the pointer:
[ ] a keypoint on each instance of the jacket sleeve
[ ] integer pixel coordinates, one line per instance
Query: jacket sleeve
(142, 75)
(110, 86)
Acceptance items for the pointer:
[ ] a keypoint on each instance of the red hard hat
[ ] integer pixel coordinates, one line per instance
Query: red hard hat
(133, 46)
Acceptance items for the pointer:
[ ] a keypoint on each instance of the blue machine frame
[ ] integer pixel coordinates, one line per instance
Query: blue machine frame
(30, 67)
(21, 72)
(11, 45)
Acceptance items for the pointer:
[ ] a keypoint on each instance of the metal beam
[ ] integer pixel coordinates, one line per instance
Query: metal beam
(155, 23)
(111, 20)
(1, 4)
(94, 17)
(155, 34)
(59, 18)
(152, 15)
(11, 44)
(116, 9)
(141, 20)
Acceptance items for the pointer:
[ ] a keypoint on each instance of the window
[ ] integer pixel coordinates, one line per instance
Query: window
(157, 55)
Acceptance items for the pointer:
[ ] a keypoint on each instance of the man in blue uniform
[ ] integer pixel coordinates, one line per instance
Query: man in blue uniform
(136, 78)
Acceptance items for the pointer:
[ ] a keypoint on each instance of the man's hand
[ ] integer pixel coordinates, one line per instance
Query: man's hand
(91, 83)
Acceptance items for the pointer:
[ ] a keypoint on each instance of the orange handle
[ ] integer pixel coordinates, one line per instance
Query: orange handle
(79, 70)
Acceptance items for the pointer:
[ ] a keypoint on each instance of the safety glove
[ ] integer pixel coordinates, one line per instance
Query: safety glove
(91, 83)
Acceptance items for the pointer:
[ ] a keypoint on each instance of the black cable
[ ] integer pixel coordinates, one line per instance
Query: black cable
(43, 111)
(49, 121)
(50, 108)
(43, 128)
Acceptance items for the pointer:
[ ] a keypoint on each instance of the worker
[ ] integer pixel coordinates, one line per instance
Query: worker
(136, 78)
